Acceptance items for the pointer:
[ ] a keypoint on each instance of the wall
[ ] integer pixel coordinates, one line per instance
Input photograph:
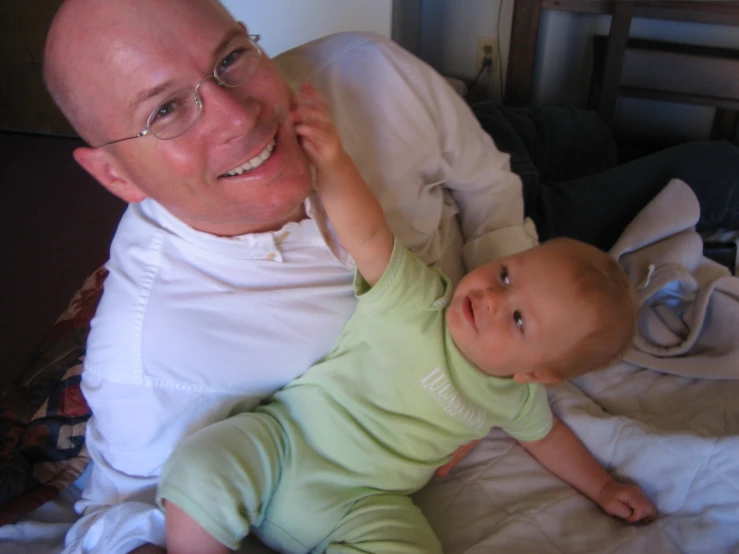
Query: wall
(287, 23)
(448, 37)
(448, 40)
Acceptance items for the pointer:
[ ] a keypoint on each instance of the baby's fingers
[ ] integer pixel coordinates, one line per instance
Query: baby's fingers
(620, 509)
(310, 115)
(643, 511)
(308, 96)
(309, 109)
(638, 504)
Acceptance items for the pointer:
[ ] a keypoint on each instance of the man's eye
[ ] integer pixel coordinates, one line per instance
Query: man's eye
(518, 319)
(504, 276)
(165, 110)
(231, 59)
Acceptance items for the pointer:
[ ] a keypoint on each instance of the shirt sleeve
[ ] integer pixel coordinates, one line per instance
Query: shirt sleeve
(534, 420)
(408, 286)
(487, 193)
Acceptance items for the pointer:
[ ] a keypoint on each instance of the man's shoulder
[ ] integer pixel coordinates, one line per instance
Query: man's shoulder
(306, 61)
(333, 46)
(113, 344)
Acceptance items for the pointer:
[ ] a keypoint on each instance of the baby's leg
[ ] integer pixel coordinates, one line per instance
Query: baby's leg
(184, 534)
(222, 478)
(382, 523)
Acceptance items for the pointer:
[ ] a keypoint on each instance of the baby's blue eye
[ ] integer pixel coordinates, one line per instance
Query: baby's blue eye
(518, 319)
(504, 276)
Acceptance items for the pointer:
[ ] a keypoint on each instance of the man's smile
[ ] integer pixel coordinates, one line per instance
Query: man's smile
(255, 162)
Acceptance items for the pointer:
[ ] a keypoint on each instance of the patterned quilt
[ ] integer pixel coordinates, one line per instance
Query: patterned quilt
(43, 417)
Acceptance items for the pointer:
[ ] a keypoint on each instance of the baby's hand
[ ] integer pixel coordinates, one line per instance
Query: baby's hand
(315, 127)
(627, 502)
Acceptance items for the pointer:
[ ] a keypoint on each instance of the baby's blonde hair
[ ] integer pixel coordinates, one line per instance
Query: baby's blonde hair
(601, 284)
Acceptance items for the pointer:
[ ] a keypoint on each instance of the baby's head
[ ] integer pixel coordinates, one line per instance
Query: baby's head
(544, 315)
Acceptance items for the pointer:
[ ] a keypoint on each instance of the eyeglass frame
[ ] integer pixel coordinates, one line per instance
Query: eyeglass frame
(253, 39)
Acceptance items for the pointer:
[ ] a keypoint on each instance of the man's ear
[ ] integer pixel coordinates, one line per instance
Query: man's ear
(98, 163)
(543, 377)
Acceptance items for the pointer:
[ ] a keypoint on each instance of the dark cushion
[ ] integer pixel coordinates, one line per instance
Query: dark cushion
(43, 416)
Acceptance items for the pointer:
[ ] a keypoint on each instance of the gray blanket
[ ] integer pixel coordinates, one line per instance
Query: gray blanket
(689, 305)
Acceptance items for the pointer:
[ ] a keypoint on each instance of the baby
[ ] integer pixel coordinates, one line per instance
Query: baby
(327, 464)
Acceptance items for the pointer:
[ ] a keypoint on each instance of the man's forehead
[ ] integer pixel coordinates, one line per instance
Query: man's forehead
(145, 47)
(158, 22)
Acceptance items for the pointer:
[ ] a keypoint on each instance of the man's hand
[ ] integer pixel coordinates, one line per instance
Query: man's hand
(627, 502)
(458, 456)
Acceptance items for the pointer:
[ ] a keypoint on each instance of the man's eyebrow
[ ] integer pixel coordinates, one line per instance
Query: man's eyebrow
(146, 94)
(232, 34)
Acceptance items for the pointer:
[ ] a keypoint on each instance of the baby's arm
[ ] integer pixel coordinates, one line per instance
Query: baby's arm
(355, 213)
(562, 453)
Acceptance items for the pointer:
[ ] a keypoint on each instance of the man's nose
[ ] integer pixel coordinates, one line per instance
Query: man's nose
(227, 110)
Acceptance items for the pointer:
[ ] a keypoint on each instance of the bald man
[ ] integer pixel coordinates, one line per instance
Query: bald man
(225, 279)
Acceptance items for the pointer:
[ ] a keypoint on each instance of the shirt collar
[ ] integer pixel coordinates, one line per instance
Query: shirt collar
(251, 246)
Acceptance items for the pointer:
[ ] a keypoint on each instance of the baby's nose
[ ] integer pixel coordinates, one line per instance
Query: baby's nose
(491, 299)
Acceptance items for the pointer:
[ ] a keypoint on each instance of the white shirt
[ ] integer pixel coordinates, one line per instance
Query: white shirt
(190, 323)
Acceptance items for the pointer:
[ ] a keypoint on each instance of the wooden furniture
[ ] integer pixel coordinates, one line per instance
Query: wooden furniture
(714, 72)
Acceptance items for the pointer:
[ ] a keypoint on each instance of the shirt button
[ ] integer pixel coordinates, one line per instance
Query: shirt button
(271, 256)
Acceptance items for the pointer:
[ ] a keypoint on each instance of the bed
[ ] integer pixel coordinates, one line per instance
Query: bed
(666, 418)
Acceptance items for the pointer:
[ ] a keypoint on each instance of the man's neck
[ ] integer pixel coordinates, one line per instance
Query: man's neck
(239, 229)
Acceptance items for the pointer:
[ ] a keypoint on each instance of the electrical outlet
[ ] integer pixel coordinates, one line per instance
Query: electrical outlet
(484, 44)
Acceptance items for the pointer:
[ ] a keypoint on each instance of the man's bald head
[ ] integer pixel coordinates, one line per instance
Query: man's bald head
(113, 65)
(90, 46)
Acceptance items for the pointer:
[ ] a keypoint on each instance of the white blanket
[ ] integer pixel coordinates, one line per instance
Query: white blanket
(675, 434)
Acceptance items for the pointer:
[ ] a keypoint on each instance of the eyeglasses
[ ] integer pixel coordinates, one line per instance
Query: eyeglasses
(180, 110)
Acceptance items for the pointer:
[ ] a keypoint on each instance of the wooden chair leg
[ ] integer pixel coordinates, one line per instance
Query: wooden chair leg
(614, 59)
(522, 54)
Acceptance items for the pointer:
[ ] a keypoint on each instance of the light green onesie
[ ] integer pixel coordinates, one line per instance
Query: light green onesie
(328, 463)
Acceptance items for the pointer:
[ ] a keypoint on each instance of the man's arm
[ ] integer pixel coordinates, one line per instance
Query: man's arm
(477, 175)
(419, 147)
(131, 434)
(562, 453)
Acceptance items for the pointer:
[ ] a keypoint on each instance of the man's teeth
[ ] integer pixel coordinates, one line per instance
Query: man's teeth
(255, 162)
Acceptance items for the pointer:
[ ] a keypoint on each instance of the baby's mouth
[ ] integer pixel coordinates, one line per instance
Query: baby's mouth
(469, 312)
(255, 162)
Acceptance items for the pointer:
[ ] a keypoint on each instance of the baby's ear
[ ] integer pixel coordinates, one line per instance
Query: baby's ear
(543, 377)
